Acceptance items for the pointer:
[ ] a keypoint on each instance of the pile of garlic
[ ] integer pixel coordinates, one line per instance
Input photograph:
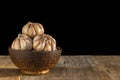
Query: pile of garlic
(34, 38)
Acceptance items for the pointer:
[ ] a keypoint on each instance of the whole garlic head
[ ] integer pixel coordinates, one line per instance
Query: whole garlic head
(32, 29)
(22, 42)
(44, 42)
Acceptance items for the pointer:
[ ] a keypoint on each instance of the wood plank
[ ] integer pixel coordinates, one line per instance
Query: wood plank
(68, 68)
(111, 66)
(5, 62)
(99, 70)
(86, 65)
(8, 71)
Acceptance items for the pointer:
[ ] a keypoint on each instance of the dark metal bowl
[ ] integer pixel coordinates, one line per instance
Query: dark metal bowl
(32, 62)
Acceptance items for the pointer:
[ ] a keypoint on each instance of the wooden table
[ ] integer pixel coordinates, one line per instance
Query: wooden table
(68, 68)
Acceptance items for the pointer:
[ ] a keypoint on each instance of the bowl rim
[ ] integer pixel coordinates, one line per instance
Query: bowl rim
(58, 49)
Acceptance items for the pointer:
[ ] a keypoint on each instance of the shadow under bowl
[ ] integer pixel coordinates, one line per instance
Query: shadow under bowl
(33, 62)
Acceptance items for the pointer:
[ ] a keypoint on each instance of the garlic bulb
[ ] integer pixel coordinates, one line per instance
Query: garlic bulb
(44, 42)
(22, 42)
(32, 29)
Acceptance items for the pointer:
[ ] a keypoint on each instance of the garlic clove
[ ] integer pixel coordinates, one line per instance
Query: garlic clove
(22, 44)
(16, 45)
(36, 43)
(31, 31)
(53, 45)
(38, 28)
(48, 47)
(25, 28)
(40, 47)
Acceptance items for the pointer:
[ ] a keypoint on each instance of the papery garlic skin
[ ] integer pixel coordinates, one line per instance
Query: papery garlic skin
(32, 29)
(44, 42)
(22, 42)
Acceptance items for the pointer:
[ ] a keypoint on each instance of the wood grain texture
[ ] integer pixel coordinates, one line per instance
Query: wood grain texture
(68, 68)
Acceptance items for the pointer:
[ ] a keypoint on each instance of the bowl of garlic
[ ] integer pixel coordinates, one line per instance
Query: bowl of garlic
(33, 51)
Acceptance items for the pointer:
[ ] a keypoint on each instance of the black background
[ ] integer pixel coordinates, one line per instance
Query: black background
(78, 31)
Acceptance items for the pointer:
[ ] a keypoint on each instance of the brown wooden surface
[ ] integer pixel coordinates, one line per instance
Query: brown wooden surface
(68, 68)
